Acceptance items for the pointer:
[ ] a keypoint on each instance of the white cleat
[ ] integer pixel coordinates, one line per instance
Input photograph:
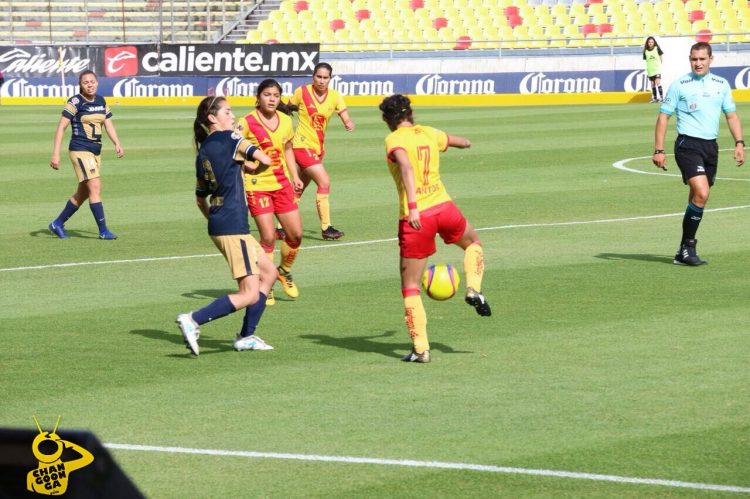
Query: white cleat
(190, 332)
(251, 342)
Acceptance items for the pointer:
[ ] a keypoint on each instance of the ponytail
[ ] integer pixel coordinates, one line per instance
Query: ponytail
(202, 125)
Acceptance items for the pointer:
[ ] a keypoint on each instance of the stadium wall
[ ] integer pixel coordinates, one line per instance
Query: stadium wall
(465, 81)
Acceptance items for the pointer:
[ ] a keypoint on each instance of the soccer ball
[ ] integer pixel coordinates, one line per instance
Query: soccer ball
(440, 281)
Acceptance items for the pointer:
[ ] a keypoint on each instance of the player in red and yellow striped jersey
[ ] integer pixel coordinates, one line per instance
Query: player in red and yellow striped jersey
(317, 103)
(274, 190)
(426, 210)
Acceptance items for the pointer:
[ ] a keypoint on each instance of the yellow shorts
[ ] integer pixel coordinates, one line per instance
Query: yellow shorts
(86, 164)
(241, 252)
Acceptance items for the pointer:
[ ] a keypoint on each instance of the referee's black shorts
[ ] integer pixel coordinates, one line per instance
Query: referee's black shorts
(696, 156)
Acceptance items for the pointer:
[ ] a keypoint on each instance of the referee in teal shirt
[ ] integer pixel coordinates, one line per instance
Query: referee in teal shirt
(697, 99)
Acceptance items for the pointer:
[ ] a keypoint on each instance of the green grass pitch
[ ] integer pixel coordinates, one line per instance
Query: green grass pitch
(600, 357)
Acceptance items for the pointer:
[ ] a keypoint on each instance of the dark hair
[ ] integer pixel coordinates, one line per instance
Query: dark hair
(284, 107)
(656, 46)
(396, 108)
(208, 106)
(84, 73)
(323, 65)
(702, 46)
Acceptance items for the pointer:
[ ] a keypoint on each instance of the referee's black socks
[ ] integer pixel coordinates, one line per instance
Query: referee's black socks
(691, 221)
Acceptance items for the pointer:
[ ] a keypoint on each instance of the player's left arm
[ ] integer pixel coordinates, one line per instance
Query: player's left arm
(735, 127)
(202, 204)
(291, 163)
(112, 133)
(407, 179)
(348, 123)
(458, 142)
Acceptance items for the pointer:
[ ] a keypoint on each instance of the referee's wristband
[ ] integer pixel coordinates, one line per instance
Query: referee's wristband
(738, 142)
(659, 151)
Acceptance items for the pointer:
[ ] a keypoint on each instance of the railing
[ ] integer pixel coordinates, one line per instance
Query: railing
(92, 22)
(532, 46)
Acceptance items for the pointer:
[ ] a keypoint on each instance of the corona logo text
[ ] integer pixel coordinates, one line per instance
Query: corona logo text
(384, 87)
(539, 83)
(235, 86)
(637, 81)
(20, 87)
(742, 80)
(434, 84)
(132, 87)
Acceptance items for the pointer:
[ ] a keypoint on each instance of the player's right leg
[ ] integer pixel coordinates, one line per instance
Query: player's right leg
(414, 312)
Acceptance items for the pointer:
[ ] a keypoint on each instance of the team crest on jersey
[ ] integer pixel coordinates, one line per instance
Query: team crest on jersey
(236, 136)
(75, 101)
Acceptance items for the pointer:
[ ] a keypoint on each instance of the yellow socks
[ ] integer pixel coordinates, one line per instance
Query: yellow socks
(474, 266)
(324, 209)
(288, 255)
(416, 319)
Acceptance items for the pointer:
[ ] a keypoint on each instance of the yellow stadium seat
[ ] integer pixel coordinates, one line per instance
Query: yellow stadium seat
(668, 28)
(595, 9)
(559, 10)
(576, 9)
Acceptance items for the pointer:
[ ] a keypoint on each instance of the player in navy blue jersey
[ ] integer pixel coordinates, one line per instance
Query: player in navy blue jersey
(88, 115)
(222, 158)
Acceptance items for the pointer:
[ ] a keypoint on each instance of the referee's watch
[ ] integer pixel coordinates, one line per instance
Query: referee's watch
(738, 142)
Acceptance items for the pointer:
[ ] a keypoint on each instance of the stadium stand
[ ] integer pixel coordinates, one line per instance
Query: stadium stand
(126, 21)
(346, 25)
(342, 25)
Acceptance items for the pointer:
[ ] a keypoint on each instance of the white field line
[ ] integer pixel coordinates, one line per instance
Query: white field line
(433, 465)
(369, 242)
(620, 165)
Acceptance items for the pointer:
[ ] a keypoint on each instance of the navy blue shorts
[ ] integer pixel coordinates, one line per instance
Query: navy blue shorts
(696, 157)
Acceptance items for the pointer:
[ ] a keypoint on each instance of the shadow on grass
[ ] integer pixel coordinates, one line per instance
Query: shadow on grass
(212, 294)
(366, 344)
(207, 345)
(635, 256)
(205, 294)
(83, 234)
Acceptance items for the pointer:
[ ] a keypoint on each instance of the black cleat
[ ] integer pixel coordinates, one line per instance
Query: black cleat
(478, 301)
(280, 234)
(331, 234)
(687, 254)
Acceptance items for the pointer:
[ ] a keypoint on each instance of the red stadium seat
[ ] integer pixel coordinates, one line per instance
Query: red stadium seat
(362, 14)
(272, 41)
(439, 22)
(696, 15)
(704, 35)
(416, 4)
(463, 43)
(301, 5)
(588, 29)
(337, 24)
(511, 10)
(514, 20)
(604, 28)
(97, 14)
(33, 24)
